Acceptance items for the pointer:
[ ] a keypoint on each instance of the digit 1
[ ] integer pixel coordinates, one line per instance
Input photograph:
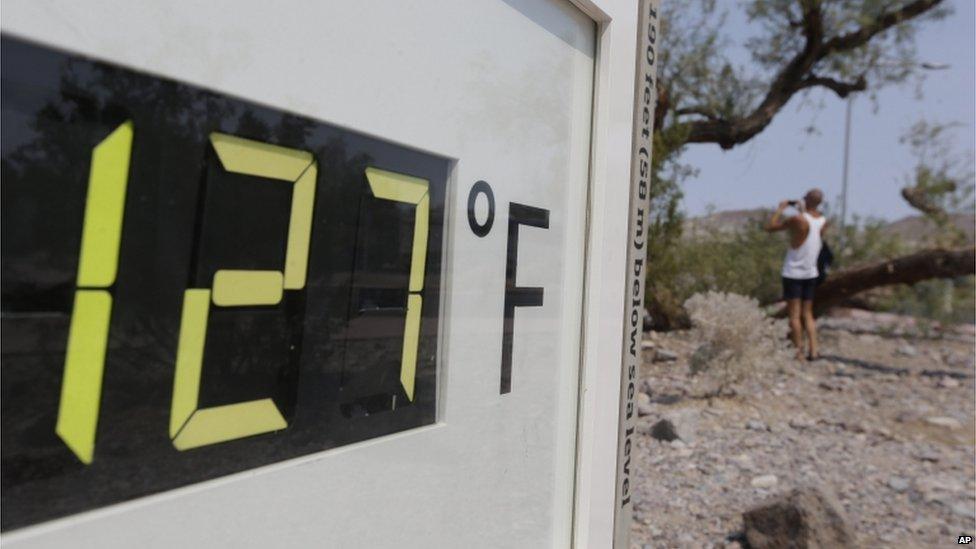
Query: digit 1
(98, 260)
(191, 426)
(411, 190)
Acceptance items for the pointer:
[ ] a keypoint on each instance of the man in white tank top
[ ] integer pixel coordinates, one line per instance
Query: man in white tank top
(800, 265)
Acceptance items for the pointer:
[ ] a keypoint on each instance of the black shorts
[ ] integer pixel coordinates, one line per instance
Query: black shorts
(794, 288)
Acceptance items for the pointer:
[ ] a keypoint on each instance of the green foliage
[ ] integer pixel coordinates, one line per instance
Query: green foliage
(745, 262)
(666, 221)
(940, 184)
(889, 58)
(695, 68)
(942, 181)
(865, 241)
(945, 301)
(703, 71)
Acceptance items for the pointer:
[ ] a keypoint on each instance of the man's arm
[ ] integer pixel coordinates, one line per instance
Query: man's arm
(777, 223)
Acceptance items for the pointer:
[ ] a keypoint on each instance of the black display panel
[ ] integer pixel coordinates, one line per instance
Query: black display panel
(194, 285)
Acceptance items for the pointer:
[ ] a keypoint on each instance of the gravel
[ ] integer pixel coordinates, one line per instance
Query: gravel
(895, 445)
(764, 482)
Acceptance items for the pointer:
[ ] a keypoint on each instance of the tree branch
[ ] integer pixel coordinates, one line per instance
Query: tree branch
(662, 106)
(797, 74)
(880, 24)
(842, 89)
(919, 200)
(699, 110)
(812, 23)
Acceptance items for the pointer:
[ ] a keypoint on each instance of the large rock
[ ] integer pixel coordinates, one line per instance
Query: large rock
(648, 321)
(943, 421)
(664, 355)
(644, 407)
(947, 382)
(801, 519)
(664, 430)
(907, 350)
(756, 425)
(764, 482)
(647, 386)
(937, 488)
(683, 424)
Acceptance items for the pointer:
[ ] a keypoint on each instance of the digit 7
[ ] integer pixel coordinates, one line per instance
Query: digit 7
(191, 426)
(411, 190)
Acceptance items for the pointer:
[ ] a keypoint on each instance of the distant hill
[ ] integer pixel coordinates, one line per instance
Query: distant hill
(724, 222)
(911, 229)
(916, 228)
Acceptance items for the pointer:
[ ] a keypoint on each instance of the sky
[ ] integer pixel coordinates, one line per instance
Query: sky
(785, 160)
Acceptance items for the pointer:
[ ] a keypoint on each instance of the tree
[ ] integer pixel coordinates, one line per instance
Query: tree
(844, 46)
(839, 45)
(941, 183)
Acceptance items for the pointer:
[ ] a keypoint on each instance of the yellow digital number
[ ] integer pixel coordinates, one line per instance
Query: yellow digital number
(411, 190)
(98, 260)
(191, 426)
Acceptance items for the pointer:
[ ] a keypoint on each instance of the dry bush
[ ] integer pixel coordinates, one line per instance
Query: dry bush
(738, 340)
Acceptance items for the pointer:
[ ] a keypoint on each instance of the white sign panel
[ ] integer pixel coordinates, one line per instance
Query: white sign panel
(294, 276)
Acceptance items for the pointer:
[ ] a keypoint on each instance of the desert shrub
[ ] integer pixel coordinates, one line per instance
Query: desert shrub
(738, 340)
(945, 301)
(745, 261)
(864, 241)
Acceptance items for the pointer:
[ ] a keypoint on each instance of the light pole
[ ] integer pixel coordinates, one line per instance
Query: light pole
(847, 154)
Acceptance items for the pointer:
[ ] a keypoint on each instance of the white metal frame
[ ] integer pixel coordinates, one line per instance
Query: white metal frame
(603, 300)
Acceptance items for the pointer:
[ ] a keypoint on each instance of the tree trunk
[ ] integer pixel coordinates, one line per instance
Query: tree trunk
(909, 269)
(666, 313)
(841, 287)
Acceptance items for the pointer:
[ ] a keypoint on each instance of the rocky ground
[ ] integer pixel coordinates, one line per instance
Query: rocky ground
(884, 421)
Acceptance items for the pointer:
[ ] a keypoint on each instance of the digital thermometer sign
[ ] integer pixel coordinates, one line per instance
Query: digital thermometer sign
(194, 285)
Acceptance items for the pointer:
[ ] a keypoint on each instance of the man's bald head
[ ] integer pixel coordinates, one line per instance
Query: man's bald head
(813, 198)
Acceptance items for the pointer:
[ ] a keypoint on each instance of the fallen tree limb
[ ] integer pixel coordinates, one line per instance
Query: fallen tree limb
(841, 286)
(666, 312)
(910, 269)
